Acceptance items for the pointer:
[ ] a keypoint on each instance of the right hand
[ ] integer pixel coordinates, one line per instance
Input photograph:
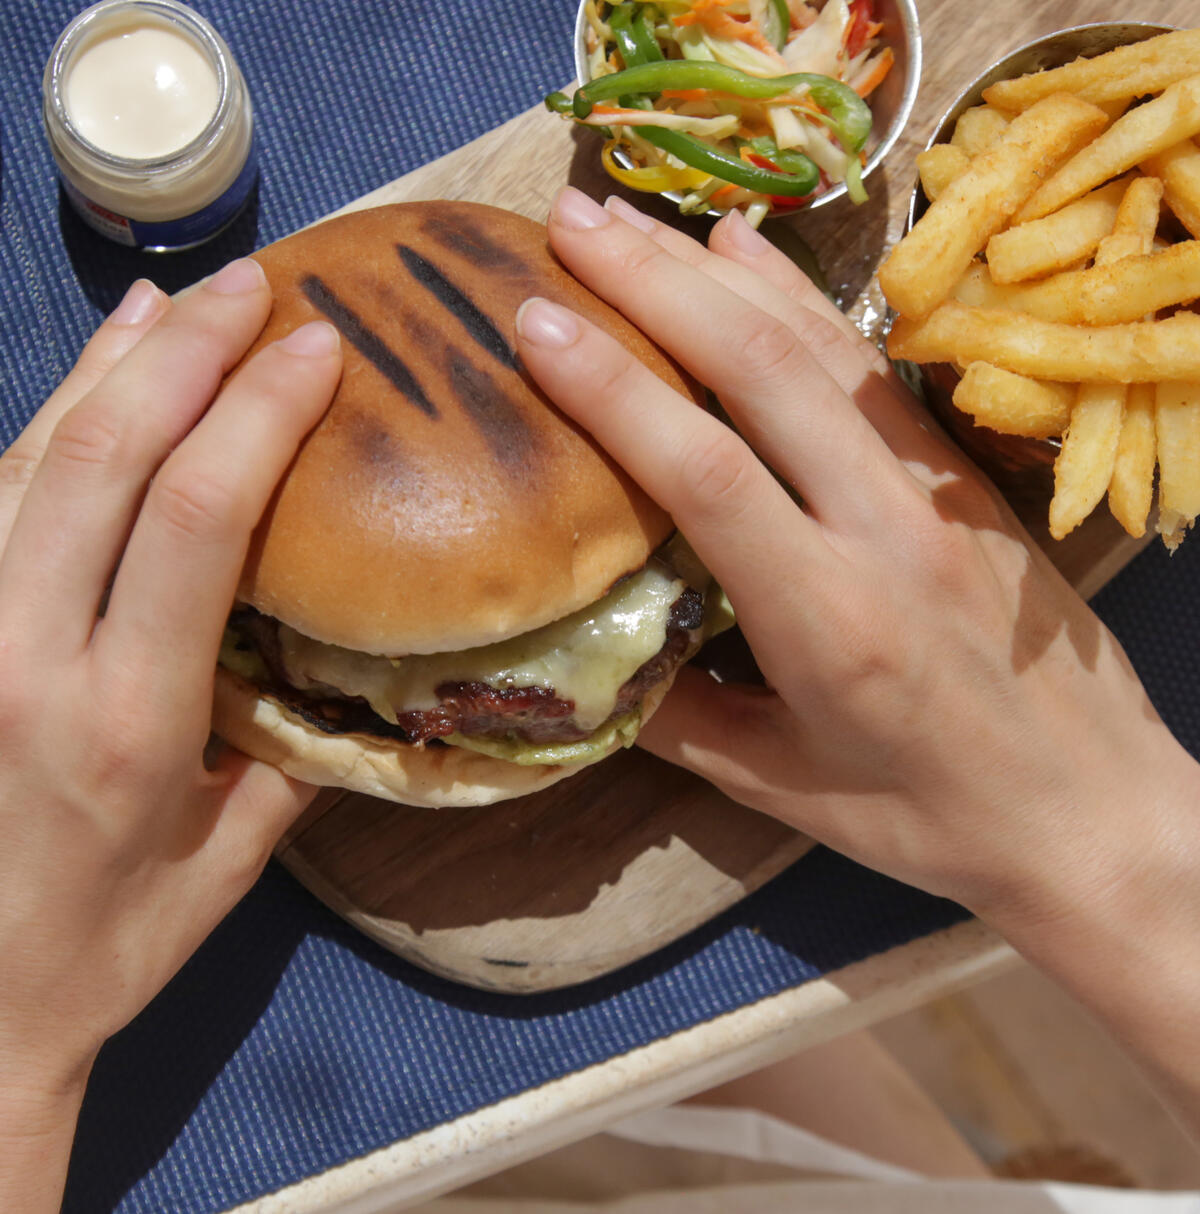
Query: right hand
(943, 706)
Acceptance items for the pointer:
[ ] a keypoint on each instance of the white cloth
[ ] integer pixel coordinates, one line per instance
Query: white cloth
(694, 1160)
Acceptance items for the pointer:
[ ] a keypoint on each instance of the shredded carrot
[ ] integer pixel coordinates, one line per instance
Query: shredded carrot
(723, 192)
(882, 66)
(613, 111)
(686, 94)
(711, 14)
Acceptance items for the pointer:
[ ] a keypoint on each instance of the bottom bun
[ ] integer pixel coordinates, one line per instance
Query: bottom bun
(430, 777)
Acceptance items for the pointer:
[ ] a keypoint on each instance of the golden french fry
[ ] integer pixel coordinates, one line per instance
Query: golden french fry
(1142, 132)
(1114, 109)
(938, 166)
(923, 267)
(1084, 467)
(1014, 404)
(1177, 429)
(1129, 71)
(1112, 293)
(1179, 168)
(1038, 248)
(978, 128)
(1143, 352)
(1131, 490)
(1140, 209)
(977, 290)
(1135, 224)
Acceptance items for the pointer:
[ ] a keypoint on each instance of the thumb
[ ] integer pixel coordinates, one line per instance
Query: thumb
(730, 734)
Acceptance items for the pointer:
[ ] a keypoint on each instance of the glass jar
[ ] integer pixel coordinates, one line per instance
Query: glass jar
(150, 195)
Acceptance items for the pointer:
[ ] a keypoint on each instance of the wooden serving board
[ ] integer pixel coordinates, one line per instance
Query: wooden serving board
(606, 867)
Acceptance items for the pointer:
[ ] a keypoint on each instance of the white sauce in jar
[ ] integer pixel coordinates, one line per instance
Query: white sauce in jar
(141, 92)
(150, 123)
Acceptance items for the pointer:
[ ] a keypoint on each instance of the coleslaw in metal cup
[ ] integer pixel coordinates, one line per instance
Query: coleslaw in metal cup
(1019, 466)
(891, 102)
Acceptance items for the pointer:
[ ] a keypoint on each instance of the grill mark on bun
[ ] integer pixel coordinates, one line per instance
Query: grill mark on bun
(466, 238)
(476, 322)
(368, 343)
(495, 414)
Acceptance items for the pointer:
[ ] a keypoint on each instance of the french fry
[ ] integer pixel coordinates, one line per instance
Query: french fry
(978, 128)
(1129, 71)
(1038, 248)
(1131, 489)
(1144, 131)
(977, 290)
(1139, 211)
(922, 268)
(938, 166)
(1179, 169)
(1143, 352)
(1084, 467)
(1114, 109)
(1177, 429)
(1014, 404)
(1111, 293)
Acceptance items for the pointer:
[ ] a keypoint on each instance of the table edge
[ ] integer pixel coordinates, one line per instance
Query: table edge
(582, 1103)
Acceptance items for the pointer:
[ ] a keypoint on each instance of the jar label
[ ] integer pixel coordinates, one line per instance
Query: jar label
(171, 233)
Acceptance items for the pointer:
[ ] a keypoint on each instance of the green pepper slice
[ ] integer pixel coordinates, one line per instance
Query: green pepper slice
(849, 114)
(634, 34)
(733, 169)
(787, 159)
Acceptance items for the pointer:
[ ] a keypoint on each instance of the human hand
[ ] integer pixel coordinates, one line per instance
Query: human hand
(122, 850)
(942, 705)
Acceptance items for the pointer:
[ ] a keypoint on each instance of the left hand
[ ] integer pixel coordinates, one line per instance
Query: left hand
(126, 509)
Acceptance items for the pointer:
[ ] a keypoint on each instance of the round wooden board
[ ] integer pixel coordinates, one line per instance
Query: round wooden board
(546, 890)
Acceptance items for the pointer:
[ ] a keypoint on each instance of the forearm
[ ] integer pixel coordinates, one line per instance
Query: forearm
(37, 1128)
(1121, 932)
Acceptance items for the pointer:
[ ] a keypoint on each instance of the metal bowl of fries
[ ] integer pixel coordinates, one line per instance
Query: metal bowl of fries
(1061, 295)
(891, 101)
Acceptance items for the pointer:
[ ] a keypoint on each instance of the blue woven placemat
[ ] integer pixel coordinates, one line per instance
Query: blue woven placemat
(290, 1044)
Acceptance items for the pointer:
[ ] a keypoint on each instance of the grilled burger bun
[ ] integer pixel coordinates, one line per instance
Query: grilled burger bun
(455, 596)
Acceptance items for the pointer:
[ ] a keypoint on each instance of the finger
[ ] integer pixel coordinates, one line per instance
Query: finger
(180, 569)
(788, 407)
(746, 262)
(75, 517)
(730, 736)
(740, 520)
(260, 803)
(143, 304)
(734, 242)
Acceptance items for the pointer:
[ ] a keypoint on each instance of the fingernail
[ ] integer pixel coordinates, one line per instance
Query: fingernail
(629, 213)
(742, 236)
(317, 339)
(576, 211)
(238, 278)
(546, 324)
(139, 304)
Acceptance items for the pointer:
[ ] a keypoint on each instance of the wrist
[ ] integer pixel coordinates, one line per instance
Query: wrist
(1112, 915)
(39, 1109)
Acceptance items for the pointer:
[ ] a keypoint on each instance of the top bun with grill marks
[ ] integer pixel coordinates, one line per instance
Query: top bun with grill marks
(442, 502)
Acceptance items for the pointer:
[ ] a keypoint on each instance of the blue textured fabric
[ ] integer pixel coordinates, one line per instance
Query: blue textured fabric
(290, 1044)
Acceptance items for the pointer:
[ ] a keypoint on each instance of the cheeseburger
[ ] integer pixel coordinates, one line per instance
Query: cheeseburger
(455, 596)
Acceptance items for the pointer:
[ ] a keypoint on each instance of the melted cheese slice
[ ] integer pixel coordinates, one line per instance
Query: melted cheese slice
(585, 657)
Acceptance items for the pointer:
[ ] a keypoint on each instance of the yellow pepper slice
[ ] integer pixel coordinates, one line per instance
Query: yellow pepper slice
(653, 179)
